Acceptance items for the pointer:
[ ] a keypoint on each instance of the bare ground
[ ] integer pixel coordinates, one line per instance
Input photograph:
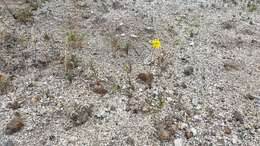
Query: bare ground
(200, 88)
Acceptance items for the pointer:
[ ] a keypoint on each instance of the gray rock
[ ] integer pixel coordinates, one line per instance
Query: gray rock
(188, 71)
(237, 116)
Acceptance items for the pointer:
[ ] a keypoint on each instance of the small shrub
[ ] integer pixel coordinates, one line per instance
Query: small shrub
(115, 88)
(24, 40)
(252, 7)
(24, 15)
(75, 40)
(93, 69)
(4, 36)
(4, 83)
(68, 76)
(70, 62)
(155, 103)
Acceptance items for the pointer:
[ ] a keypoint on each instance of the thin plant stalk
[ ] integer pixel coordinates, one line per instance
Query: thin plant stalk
(8, 9)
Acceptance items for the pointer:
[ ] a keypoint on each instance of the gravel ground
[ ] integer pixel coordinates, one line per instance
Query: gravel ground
(83, 73)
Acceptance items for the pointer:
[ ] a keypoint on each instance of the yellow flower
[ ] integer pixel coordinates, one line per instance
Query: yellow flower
(156, 44)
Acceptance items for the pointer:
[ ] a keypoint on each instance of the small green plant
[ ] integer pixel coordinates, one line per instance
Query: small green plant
(115, 88)
(252, 7)
(128, 70)
(8, 9)
(4, 36)
(75, 40)
(70, 62)
(93, 70)
(4, 83)
(24, 15)
(176, 42)
(24, 40)
(155, 103)
(68, 76)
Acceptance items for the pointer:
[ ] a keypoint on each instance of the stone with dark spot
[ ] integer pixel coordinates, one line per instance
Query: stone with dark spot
(237, 116)
(188, 134)
(188, 71)
(79, 114)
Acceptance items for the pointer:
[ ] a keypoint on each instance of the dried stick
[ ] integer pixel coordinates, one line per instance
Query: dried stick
(9, 10)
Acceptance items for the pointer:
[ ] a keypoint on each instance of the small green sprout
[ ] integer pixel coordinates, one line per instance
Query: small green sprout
(4, 83)
(75, 40)
(24, 15)
(68, 76)
(115, 88)
(252, 7)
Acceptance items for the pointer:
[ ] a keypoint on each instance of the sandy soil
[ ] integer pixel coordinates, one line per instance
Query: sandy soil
(83, 73)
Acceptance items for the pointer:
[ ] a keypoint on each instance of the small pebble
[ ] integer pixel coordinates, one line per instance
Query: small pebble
(2, 76)
(227, 130)
(35, 99)
(182, 126)
(188, 134)
(164, 135)
(146, 78)
(238, 117)
(79, 114)
(14, 126)
(188, 71)
(99, 89)
(130, 141)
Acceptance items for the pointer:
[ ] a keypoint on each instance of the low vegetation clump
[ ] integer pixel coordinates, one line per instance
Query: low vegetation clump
(252, 7)
(24, 15)
(70, 62)
(4, 83)
(75, 40)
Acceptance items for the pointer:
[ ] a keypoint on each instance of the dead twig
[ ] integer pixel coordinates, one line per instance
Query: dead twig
(8, 9)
